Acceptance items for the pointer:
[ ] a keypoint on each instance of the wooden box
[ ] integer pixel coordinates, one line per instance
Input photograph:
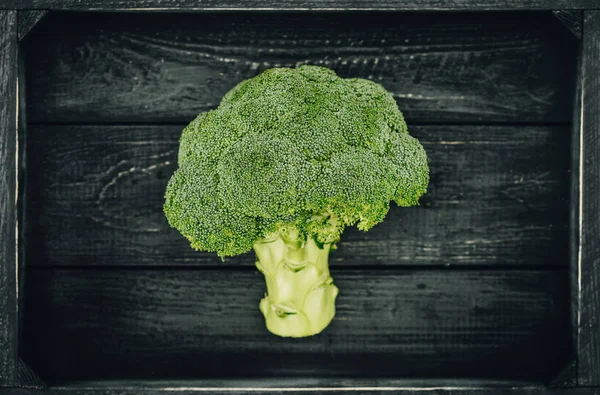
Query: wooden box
(490, 285)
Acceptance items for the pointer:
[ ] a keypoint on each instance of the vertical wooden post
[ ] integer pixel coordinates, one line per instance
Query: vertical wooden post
(574, 231)
(588, 348)
(8, 204)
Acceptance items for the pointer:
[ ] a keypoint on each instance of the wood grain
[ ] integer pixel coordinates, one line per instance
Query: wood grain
(28, 378)
(298, 383)
(131, 68)
(574, 215)
(115, 324)
(571, 19)
(28, 19)
(385, 390)
(8, 149)
(498, 196)
(409, 5)
(589, 292)
(21, 183)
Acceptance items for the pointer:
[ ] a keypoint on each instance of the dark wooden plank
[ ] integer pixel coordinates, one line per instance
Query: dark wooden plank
(589, 259)
(21, 189)
(574, 217)
(409, 5)
(8, 170)
(498, 196)
(281, 391)
(299, 383)
(27, 19)
(572, 19)
(128, 68)
(116, 324)
(568, 376)
(27, 378)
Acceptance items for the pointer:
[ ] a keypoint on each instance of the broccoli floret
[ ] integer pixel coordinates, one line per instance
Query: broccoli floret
(290, 144)
(294, 155)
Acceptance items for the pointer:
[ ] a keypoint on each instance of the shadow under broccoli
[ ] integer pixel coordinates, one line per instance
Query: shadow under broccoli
(288, 160)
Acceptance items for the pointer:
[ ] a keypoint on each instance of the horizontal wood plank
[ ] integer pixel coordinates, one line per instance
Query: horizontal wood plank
(498, 196)
(131, 68)
(116, 324)
(384, 390)
(299, 383)
(410, 5)
(570, 374)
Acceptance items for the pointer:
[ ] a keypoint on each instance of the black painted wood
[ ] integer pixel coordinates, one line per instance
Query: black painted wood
(299, 383)
(279, 391)
(307, 386)
(589, 292)
(568, 376)
(97, 193)
(411, 5)
(498, 196)
(572, 19)
(574, 215)
(28, 19)
(131, 68)
(8, 129)
(114, 324)
(27, 378)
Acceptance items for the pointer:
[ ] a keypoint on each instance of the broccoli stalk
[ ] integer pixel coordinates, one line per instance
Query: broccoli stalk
(300, 299)
(287, 161)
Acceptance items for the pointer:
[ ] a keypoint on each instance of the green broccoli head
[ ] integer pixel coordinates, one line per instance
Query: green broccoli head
(298, 149)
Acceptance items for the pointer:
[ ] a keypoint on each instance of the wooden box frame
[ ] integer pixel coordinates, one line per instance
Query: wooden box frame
(17, 17)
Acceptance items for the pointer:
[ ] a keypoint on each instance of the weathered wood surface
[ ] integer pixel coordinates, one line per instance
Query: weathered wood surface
(131, 68)
(21, 190)
(114, 324)
(298, 383)
(186, 390)
(303, 5)
(574, 217)
(8, 144)
(27, 20)
(568, 375)
(498, 196)
(573, 20)
(589, 306)
(27, 378)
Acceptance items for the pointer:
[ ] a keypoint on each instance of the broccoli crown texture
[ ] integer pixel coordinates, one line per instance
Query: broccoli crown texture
(293, 149)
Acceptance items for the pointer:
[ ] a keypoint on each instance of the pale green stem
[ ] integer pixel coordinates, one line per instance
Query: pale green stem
(300, 299)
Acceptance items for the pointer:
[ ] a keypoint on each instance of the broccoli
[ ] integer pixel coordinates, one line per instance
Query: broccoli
(287, 160)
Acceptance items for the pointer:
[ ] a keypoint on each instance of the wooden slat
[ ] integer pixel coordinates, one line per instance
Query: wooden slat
(571, 19)
(22, 198)
(498, 196)
(411, 5)
(186, 390)
(574, 215)
(27, 377)
(28, 19)
(128, 68)
(8, 149)
(115, 324)
(299, 383)
(589, 259)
